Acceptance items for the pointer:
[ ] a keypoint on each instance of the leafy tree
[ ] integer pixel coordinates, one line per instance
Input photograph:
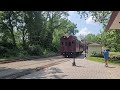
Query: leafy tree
(98, 16)
(91, 38)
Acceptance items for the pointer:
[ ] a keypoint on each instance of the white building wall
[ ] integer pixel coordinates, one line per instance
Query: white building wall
(97, 49)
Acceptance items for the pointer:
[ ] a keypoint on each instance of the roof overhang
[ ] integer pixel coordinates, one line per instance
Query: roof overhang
(114, 22)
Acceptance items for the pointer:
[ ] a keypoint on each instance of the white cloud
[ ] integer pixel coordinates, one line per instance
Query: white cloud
(71, 13)
(90, 21)
(83, 31)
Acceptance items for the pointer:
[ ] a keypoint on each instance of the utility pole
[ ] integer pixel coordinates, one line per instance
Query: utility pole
(85, 48)
(74, 64)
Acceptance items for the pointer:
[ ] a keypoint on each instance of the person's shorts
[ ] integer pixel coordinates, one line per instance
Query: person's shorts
(106, 58)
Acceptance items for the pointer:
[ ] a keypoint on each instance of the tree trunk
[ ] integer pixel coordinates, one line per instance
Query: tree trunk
(13, 38)
(23, 39)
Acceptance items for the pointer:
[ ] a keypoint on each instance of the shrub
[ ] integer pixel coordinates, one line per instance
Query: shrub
(117, 57)
(48, 53)
(12, 52)
(7, 45)
(23, 53)
(94, 54)
(35, 50)
(3, 51)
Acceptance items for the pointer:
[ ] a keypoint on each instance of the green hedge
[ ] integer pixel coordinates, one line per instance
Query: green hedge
(94, 54)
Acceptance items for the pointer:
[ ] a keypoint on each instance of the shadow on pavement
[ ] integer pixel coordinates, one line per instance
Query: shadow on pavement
(56, 73)
(80, 66)
(49, 73)
(111, 67)
(11, 73)
(55, 70)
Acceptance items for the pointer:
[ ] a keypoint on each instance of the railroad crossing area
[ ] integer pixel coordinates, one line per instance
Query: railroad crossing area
(59, 68)
(84, 69)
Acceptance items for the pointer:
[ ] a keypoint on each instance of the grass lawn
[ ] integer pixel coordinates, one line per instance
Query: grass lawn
(98, 59)
(114, 53)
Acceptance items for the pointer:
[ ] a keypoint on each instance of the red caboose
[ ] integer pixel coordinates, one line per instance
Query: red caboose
(70, 46)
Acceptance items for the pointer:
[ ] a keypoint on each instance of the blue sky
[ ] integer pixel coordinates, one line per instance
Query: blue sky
(84, 26)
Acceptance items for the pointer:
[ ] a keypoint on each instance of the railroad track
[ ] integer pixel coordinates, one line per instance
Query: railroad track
(23, 59)
(31, 70)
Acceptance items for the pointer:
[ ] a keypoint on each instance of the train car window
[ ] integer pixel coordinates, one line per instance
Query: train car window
(65, 43)
(69, 43)
(62, 43)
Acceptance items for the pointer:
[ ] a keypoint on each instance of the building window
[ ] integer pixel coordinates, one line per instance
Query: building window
(62, 43)
(72, 42)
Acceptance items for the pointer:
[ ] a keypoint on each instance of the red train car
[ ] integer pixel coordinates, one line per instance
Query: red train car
(70, 46)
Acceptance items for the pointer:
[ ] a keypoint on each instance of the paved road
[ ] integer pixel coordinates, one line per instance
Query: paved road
(85, 69)
(13, 68)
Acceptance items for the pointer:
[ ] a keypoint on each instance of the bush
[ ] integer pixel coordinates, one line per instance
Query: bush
(7, 49)
(23, 53)
(7, 45)
(94, 54)
(3, 51)
(12, 52)
(48, 53)
(9, 53)
(117, 57)
(35, 50)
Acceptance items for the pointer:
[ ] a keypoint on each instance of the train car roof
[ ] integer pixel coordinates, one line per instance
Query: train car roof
(70, 36)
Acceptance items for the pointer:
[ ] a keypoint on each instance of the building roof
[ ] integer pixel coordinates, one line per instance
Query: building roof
(94, 44)
(114, 21)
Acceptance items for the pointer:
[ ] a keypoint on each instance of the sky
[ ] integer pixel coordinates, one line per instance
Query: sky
(84, 26)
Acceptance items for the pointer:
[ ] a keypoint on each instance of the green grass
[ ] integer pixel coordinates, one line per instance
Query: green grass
(98, 59)
(114, 53)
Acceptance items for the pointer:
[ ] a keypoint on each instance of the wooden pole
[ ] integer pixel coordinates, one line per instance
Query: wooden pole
(74, 64)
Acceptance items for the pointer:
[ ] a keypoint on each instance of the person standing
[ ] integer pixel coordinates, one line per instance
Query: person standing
(106, 56)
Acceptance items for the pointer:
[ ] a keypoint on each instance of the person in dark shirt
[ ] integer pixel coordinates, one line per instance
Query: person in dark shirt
(106, 56)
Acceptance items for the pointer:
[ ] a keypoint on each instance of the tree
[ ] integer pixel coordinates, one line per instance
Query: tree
(81, 37)
(63, 29)
(98, 16)
(90, 38)
(54, 22)
(72, 28)
(8, 24)
(34, 30)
